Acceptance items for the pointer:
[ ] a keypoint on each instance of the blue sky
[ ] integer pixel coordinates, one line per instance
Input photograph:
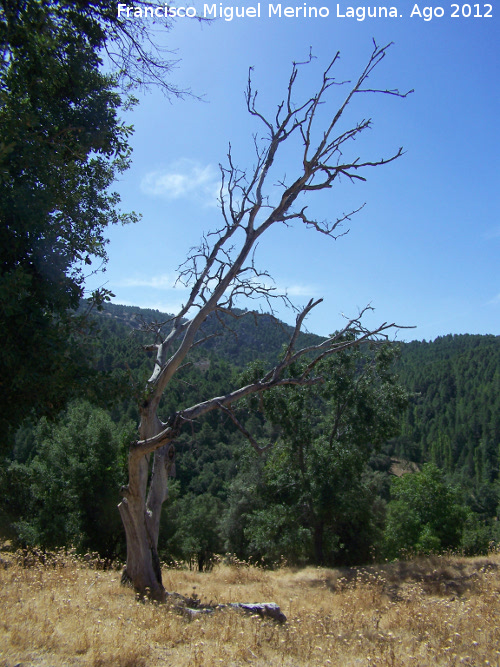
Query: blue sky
(424, 250)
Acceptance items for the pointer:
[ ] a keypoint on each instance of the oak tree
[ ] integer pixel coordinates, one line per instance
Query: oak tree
(62, 144)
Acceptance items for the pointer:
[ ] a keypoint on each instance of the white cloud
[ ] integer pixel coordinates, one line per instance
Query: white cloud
(165, 281)
(302, 290)
(184, 178)
(161, 292)
(280, 287)
(495, 301)
(493, 233)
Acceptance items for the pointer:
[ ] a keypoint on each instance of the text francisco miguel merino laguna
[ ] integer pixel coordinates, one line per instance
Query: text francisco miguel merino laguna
(212, 11)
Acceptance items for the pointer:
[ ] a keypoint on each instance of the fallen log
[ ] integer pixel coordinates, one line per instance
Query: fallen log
(192, 607)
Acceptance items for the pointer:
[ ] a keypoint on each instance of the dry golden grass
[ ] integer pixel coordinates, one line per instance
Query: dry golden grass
(439, 611)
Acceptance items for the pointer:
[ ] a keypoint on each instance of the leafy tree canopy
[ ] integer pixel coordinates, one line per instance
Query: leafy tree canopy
(425, 514)
(317, 500)
(61, 146)
(66, 494)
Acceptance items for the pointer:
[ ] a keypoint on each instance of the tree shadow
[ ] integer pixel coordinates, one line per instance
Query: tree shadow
(442, 576)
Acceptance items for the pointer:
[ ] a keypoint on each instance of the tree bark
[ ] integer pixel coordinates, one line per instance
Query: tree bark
(142, 559)
(140, 510)
(318, 543)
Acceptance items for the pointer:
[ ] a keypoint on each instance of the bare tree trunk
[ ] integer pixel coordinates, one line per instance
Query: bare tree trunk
(140, 568)
(319, 556)
(140, 510)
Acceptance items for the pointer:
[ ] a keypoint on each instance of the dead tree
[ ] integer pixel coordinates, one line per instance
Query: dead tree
(222, 269)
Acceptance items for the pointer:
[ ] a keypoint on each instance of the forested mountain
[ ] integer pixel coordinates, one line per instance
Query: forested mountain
(322, 493)
(454, 414)
(239, 339)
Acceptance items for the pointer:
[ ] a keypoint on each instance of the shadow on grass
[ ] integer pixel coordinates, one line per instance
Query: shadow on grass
(442, 576)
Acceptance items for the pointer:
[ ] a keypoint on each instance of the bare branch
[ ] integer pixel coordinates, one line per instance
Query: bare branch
(133, 48)
(260, 450)
(222, 270)
(205, 338)
(352, 335)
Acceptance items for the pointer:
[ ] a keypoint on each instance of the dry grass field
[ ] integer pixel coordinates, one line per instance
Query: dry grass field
(435, 611)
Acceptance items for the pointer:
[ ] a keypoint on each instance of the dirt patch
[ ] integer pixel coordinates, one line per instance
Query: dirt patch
(400, 467)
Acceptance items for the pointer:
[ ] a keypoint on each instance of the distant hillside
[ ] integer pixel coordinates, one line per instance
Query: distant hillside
(244, 339)
(454, 413)
(225, 498)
